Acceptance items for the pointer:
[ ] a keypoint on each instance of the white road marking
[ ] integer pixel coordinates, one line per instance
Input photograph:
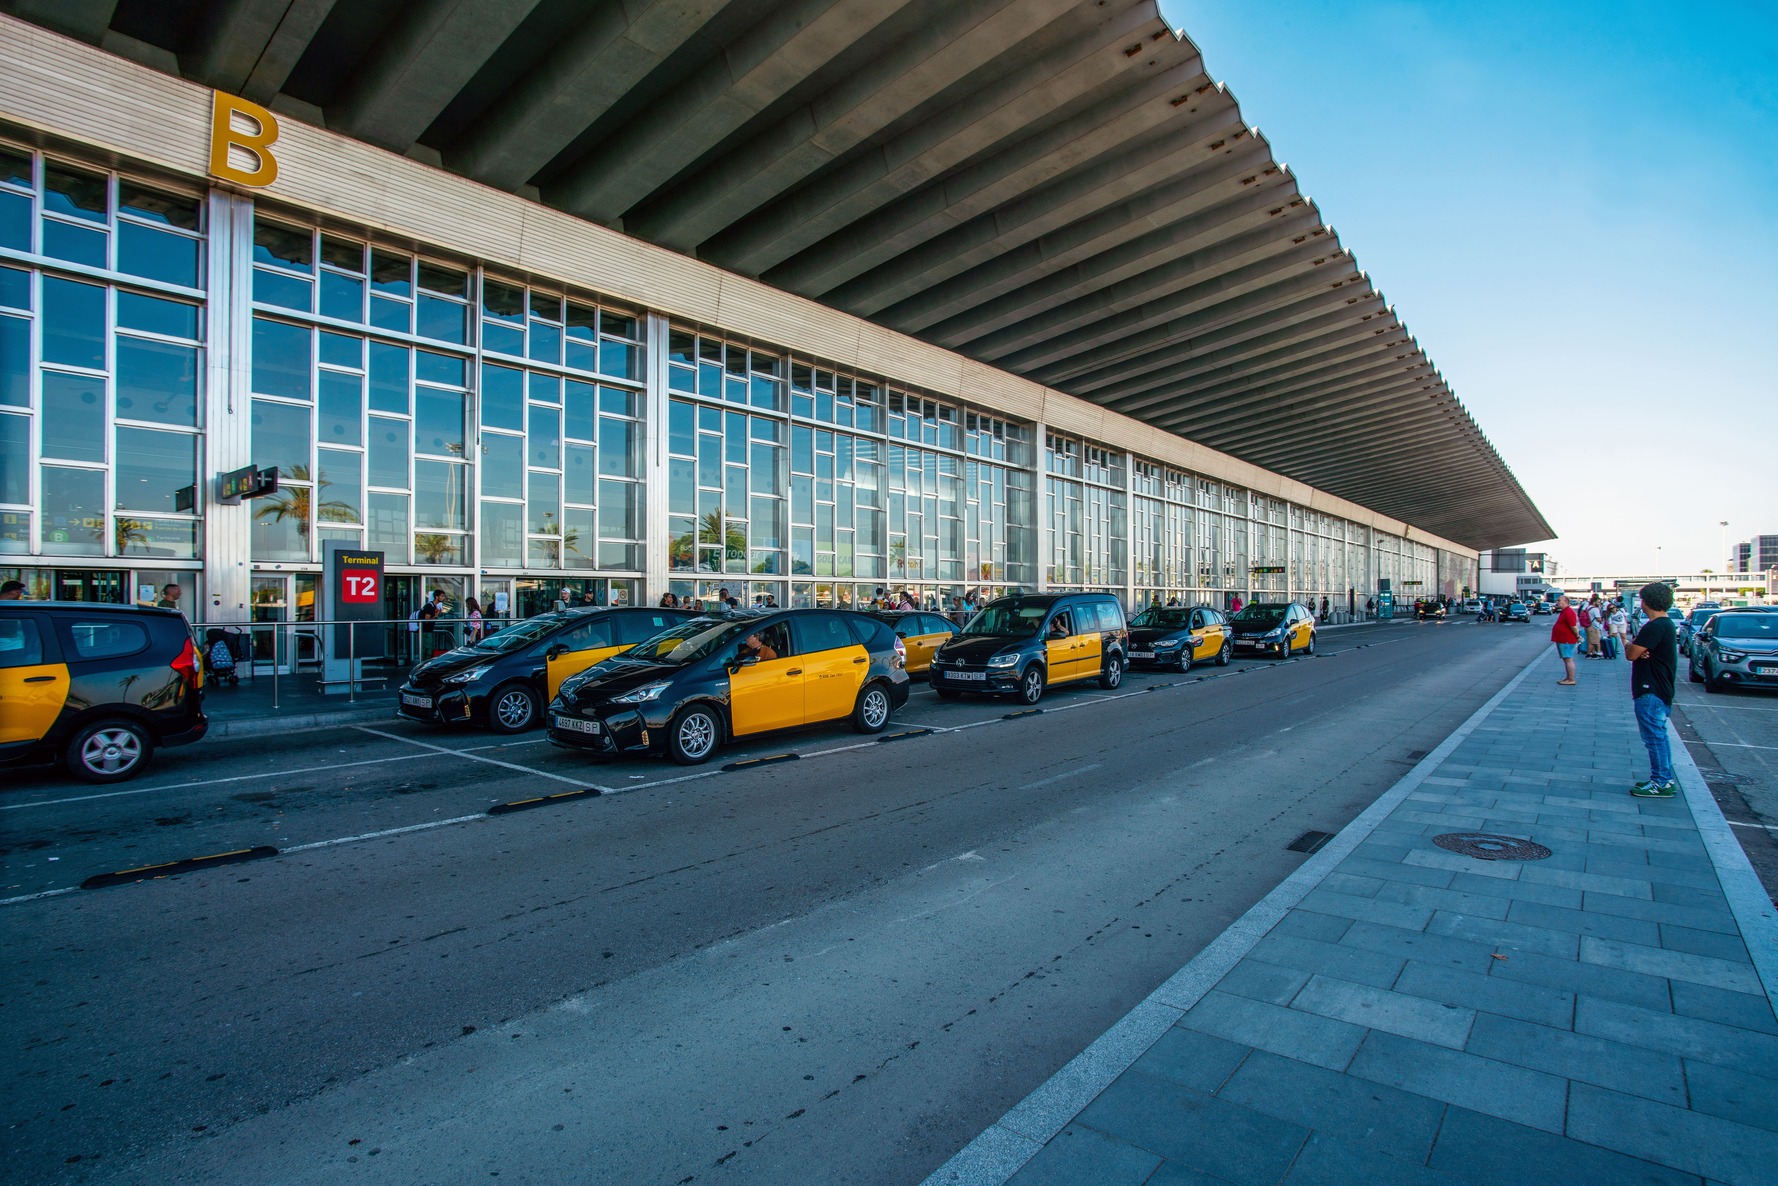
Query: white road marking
(1735, 823)
(440, 749)
(40, 894)
(437, 823)
(1738, 745)
(1044, 782)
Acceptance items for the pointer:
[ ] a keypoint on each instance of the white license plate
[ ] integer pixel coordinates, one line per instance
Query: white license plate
(416, 701)
(1764, 668)
(576, 725)
(970, 675)
(1141, 654)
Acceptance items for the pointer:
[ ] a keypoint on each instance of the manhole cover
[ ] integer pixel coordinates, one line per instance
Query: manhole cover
(1485, 846)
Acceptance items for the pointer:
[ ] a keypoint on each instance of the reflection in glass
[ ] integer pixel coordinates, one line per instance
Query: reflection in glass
(152, 467)
(158, 255)
(503, 465)
(73, 511)
(285, 247)
(388, 454)
(281, 436)
(342, 297)
(76, 192)
(175, 210)
(157, 381)
(577, 534)
(447, 369)
(73, 323)
(15, 221)
(73, 417)
(341, 409)
(503, 398)
(545, 436)
(76, 244)
(15, 362)
(341, 484)
(342, 350)
(388, 525)
(438, 421)
(388, 378)
(15, 454)
(175, 319)
(439, 495)
(445, 321)
(617, 448)
(618, 509)
(578, 475)
(502, 534)
(280, 359)
(545, 502)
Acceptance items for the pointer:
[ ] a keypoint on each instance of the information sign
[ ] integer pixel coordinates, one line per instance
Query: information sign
(354, 596)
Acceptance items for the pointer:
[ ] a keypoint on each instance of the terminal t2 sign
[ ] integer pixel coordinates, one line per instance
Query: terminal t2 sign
(354, 598)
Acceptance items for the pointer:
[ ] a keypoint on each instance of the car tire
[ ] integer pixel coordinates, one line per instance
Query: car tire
(1185, 659)
(871, 713)
(1711, 683)
(1031, 685)
(111, 750)
(1113, 673)
(512, 708)
(1228, 652)
(694, 735)
(1284, 650)
(1691, 671)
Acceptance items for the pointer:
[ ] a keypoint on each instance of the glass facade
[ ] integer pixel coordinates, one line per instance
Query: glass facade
(487, 430)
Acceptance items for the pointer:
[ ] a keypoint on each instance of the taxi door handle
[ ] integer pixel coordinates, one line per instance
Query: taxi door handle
(40, 679)
(794, 671)
(861, 660)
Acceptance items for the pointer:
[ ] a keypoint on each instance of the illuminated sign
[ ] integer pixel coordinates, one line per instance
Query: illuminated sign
(1261, 568)
(248, 482)
(242, 131)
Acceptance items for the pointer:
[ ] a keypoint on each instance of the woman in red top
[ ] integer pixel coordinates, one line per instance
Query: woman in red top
(1566, 635)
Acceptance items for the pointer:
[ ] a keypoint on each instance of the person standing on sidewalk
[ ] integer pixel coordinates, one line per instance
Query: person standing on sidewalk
(1654, 661)
(1617, 625)
(1565, 633)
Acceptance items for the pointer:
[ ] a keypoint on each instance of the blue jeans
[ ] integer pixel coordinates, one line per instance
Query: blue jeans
(1651, 719)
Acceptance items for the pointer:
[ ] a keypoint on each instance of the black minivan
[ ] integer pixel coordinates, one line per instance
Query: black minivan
(1019, 645)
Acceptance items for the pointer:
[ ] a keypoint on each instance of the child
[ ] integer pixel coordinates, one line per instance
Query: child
(1654, 660)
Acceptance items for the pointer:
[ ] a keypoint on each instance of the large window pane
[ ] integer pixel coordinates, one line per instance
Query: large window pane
(73, 323)
(281, 437)
(578, 476)
(15, 362)
(76, 244)
(545, 503)
(152, 467)
(442, 320)
(388, 525)
(617, 447)
(76, 192)
(15, 221)
(73, 511)
(341, 483)
(618, 510)
(389, 385)
(545, 437)
(157, 381)
(341, 408)
(15, 459)
(439, 496)
(438, 421)
(174, 210)
(282, 246)
(388, 455)
(503, 398)
(281, 525)
(503, 465)
(73, 417)
(158, 255)
(175, 319)
(280, 359)
(502, 535)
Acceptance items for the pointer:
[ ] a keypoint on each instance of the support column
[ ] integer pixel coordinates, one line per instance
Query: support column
(1040, 505)
(228, 408)
(656, 550)
(1130, 531)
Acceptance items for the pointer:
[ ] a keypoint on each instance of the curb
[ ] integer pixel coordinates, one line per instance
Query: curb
(272, 726)
(1001, 1150)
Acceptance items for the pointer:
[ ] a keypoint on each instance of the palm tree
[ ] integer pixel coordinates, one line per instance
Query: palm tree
(432, 548)
(129, 533)
(711, 528)
(293, 502)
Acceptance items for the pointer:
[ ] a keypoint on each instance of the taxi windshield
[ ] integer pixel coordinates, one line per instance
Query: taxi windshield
(1261, 615)
(1015, 618)
(690, 641)
(1165, 617)
(520, 634)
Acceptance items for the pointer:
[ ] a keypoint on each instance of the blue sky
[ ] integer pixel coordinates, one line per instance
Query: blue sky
(1574, 208)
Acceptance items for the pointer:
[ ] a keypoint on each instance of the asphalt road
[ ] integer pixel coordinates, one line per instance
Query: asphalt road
(834, 969)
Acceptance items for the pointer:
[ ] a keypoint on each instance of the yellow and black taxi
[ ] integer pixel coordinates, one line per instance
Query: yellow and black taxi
(98, 687)
(1176, 636)
(922, 633)
(714, 679)
(1018, 646)
(1279, 628)
(503, 681)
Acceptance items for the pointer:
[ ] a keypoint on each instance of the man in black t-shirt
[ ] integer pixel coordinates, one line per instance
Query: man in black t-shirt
(1654, 661)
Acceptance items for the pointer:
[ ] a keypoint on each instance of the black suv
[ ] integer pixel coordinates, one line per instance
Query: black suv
(98, 686)
(1018, 646)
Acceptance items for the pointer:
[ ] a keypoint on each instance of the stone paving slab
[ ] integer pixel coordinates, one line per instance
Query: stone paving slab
(1398, 1013)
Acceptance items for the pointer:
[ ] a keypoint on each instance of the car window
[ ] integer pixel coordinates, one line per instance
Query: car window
(633, 628)
(1761, 626)
(584, 637)
(822, 632)
(909, 625)
(873, 634)
(937, 625)
(21, 645)
(1061, 625)
(107, 640)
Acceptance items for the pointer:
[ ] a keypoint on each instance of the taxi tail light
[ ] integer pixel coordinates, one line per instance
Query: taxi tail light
(187, 666)
(901, 653)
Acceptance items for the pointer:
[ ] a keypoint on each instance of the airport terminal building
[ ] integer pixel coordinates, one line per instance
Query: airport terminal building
(800, 299)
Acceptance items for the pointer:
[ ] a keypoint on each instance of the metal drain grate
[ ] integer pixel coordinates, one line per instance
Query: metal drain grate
(1485, 846)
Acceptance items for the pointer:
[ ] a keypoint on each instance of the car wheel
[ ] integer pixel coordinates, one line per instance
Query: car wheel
(1228, 650)
(694, 735)
(512, 709)
(1310, 649)
(109, 751)
(1113, 674)
(1185, 659)
(1031, 685)
(1284, 649)
(1711, 683)
(1691, 671)
(871, 713)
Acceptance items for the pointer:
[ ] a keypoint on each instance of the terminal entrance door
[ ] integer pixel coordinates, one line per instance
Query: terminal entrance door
(281, 603)
(105, 587)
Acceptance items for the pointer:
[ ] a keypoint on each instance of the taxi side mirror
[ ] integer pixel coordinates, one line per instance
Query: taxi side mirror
(738, 662)
(556, 652)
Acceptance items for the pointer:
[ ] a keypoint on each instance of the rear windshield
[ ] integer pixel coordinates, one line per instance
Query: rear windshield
(1168, 618)
(1260, 615)
(1747, 626)
(1700, 616)
(1018, 619)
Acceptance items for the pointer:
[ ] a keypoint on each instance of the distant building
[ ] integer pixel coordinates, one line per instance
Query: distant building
(1759, 554)
(1514, 572)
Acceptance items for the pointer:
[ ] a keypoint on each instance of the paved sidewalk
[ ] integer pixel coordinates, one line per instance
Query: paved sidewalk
(1398, 1013)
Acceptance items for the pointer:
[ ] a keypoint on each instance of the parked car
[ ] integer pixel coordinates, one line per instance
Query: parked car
(920, 632)
(1688, 626)
(503, 681)
(98, 687)
(1543, 607)
(1516, 611)
(1177, 636)
(1472, 605)
(1736, 648)
(710, 680)
(1281, 628)
(1018, 646)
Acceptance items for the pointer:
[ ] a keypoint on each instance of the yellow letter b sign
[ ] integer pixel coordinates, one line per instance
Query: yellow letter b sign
(255, 141)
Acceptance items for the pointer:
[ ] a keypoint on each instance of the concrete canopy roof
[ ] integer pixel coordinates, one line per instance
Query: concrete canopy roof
(1054, 187)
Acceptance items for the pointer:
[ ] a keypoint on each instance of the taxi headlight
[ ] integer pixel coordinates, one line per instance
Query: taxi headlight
(1166, 644)
(643, 694)
(469, 676)
(1004, 661)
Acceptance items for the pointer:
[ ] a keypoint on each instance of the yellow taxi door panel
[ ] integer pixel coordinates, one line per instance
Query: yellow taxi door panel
(920, 648)
(1059, 657)
(767, 695)
(560, 667)
(831, 680)
(1089, 653)
(31, 699)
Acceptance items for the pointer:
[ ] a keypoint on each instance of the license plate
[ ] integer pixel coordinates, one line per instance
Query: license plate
(576, 725)
(416, 701)
(1141, 654)
(1764, 668)
(978, 676)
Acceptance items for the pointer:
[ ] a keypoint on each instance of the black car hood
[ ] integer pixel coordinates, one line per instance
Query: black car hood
(978, 648)
(1144, 637)
(433, 670)
(1251, 629)
(613, 677)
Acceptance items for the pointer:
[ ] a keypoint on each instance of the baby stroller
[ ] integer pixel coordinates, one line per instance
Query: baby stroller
(224, 649)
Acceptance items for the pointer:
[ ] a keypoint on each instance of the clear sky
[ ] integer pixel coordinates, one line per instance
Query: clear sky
(1573, 205)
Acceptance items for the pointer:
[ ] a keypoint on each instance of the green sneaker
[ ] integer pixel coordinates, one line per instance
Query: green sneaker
(1649, 789)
